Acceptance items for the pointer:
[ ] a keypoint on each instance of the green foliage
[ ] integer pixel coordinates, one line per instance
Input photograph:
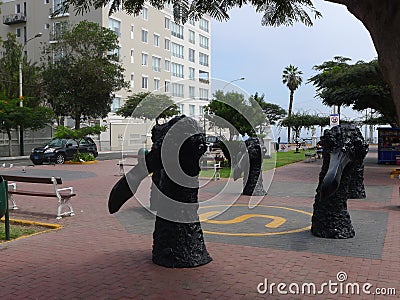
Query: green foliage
(149, 106)
(360, 86)
(79, 82)
(292, 77)
(64, 132)
(275, 12)
(77, 135)
(79, 157)
(273, 112)
(301, 120)
(243, 116)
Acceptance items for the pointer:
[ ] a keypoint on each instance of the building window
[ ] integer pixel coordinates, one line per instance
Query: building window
(203, 94)
(132, 31)
(167, 23)
(47, 26)
(167, 65)
(115, 26)
(156, 64)
(177, 89)
(191, 73)
(181, 109)
(58, 29)
(192, 36)
(58, 5)
(203, 24)
(145, 36)
(156, 84)
(145, 13)
(132, 56)
(191, 110)
(145, 82)
(191, 92)
(145, 58)
(177, 70)
(203, 59)
(156, 40)
(166, 86)
(18, 8)
(132, 81)
(177, 50)
(203, 41)
(191, 55)
(201, 111)
(46, 1)
(18, 32)
(177, 30)
(116, 104)
(192, 22)
(115, 54)
(167, 44)
(204, 77)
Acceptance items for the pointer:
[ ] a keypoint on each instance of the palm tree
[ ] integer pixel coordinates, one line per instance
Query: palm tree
(292, 78)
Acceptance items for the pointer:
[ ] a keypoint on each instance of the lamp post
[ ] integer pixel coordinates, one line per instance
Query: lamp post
(241, 78)
(21, 97)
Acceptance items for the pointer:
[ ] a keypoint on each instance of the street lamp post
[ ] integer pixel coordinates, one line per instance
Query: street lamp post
(21, 97)
(241, 78)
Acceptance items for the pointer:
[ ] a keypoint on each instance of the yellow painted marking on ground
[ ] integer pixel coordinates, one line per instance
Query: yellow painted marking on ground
(277, 221)
(204, 217)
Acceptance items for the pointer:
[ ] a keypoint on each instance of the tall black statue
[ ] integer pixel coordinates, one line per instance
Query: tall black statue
(250, 162)
(174, 158)
(341, 178)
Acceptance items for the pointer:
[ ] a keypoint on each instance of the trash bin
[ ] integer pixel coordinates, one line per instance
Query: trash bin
(3, 197)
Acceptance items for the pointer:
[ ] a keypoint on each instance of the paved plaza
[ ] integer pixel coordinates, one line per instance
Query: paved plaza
(265, 252)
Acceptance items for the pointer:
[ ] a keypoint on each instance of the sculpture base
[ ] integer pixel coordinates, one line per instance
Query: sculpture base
(332, 225)
(179, 245)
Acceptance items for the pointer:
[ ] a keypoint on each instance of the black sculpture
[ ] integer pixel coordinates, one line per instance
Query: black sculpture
(178, 238)
(341, 178)
(250, 162)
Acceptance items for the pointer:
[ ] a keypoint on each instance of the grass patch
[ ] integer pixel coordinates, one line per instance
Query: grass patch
(278, 159)
(24, 228)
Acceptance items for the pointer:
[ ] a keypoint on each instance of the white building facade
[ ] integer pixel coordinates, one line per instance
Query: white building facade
(157, 54)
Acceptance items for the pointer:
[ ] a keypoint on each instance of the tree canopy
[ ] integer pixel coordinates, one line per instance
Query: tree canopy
(147, 105)
(273, 112)
(78, 78)
(298, 121)
(381, 19)
(233, 111)
(360, 85)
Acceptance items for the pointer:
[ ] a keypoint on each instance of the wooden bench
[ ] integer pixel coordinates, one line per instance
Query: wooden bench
(310, 156)
(216, 167)
(62, 194)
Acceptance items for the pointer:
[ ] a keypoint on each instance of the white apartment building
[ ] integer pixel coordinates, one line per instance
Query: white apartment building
(157, 54)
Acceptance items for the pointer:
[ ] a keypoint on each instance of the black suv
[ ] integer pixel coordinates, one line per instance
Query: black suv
(60, 150)
(213, 142)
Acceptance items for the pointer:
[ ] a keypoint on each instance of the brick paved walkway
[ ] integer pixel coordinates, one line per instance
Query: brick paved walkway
(100, 256)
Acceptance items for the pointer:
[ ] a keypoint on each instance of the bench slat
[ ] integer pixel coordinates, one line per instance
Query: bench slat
(41, 194)
(46, 180)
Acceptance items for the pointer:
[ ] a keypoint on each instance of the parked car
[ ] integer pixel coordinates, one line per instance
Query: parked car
(60, 150)
(213, 142)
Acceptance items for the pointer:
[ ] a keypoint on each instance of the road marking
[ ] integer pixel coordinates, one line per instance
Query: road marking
(277, 221)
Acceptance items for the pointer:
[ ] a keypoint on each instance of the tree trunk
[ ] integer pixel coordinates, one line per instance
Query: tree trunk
(77, 121)
(290, 113)
(382, 20)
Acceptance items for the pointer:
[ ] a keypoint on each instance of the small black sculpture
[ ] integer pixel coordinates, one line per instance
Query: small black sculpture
(174, 158)
(250, 162)
(341, 178)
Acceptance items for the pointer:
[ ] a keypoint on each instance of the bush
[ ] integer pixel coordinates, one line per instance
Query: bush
(78, 157)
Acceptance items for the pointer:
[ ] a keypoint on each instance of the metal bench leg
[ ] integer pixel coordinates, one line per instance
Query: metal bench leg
(61, 205)
(14, 204)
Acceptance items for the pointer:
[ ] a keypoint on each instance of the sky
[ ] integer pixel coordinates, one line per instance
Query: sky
(242, 47)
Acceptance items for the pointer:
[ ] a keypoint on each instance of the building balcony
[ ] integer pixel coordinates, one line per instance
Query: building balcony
(202, 80)
(14, 19)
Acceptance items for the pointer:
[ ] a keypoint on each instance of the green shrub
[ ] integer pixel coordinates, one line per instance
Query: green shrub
(78, 157)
